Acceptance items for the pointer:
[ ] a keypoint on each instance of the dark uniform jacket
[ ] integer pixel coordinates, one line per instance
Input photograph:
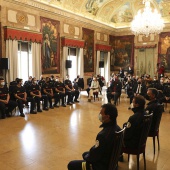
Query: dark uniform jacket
(99, 155)
(153, 106)
(34, 88)
(116, 86)
(4, 93)
(47, 86)
(134, 127)
(69, 84)
(143, 89)
(20, 91)
(59, 86)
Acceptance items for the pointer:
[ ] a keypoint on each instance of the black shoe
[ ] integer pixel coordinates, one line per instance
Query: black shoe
(129, 108)
(27, 106)
(22, 115)
(63, 105)
(45, 108)
(8, 115)
(3, 116)
(76, 101)
(69, 103)
(120, 158)
(55, 105)
(51, 107)
(39, 110)
(33, 112)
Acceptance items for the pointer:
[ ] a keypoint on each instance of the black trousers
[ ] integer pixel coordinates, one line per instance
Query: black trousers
(11, 106)
(37, 100)
(21, 102)
(78, 165)
(60, 96)
(56, 98)
(45, 99)
(112, 96)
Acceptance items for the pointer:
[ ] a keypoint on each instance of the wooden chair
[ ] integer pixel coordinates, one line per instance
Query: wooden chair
(142, 142)
(154, 130)
(117, 147)
(95, 95)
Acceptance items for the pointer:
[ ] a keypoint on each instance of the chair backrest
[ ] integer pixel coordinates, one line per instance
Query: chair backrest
(145, 130)
(117, 147)
(156, 119)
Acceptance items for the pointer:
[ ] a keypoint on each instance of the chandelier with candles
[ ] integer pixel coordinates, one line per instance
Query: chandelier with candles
(147, 22)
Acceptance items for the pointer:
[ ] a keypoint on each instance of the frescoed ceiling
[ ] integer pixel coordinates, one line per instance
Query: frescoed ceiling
(116, 13)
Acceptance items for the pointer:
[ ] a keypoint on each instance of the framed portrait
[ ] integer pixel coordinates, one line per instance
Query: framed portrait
(50, 55)
(88, 51)
(122, 52)
(164, 50)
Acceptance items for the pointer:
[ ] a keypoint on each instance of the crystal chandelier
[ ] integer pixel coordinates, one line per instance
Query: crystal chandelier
(147, 22)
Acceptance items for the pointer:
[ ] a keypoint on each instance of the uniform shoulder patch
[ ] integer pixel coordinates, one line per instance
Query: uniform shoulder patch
(128, 125)
(96, 144)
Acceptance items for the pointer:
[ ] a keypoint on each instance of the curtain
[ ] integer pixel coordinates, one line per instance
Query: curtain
(12, 55)
(36, 60)
(97, 62)
(65, 55)
(107, 67)
(80, 63)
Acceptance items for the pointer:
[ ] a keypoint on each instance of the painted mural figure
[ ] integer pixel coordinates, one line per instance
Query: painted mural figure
(47, 52)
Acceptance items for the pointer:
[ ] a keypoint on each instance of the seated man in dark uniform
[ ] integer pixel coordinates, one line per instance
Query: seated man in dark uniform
(35, 93)
(114, 90)
(70, 91)
(47, 89)
(79, 83)
(134, 124)
(21, 98)
(59, 91)
(153, 106)
(139, 88)
(98, 157)
(6, 105)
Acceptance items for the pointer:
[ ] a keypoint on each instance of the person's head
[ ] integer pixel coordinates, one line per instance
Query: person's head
(30, 78)
(138, 101)
(94, 78)
(67, 77)
(52, 77)
(155, 78)
(34, 80)
(78, 76)
(19, 81)
(139, 80)
(47, 79)
(152, 93)
(2, 82)
(108, 113)
(161, 80)
(57, 78)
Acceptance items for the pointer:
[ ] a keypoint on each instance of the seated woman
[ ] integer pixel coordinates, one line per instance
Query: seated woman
(94, 89)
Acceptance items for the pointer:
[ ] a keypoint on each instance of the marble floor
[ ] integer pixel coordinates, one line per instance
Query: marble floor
(49, 140)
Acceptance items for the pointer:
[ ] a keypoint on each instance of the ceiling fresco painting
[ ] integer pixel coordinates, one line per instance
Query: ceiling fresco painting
(124, 14)
(112, 12)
